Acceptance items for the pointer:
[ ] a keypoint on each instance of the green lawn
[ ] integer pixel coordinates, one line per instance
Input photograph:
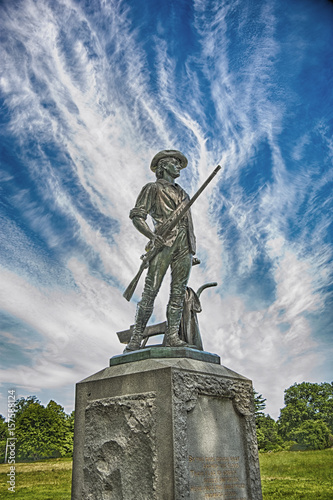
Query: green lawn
(46, 480)
(302, 475)
(306, 475)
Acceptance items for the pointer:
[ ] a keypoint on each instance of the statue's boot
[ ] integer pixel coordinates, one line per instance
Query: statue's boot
(141, 320)
(134, 344)
(172, 339)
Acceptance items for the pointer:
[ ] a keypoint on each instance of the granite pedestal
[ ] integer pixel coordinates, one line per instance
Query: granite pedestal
(165, 425)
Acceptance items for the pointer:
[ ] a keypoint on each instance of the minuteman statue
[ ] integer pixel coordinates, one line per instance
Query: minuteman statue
(159, 199)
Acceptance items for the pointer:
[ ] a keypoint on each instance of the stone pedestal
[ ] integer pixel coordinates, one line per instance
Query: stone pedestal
(157, 427)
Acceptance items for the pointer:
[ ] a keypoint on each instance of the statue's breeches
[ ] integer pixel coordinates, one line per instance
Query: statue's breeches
(179, 258)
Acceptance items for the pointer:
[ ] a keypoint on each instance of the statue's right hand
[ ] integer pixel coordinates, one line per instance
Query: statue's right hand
(158, 241)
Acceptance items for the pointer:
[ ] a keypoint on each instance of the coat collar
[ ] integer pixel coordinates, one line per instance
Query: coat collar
(167, 183)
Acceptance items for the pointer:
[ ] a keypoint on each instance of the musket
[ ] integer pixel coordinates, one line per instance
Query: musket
(168, 227)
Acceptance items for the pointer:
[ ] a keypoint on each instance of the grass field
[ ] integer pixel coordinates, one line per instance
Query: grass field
(46, 480)
(297, 475)
(306, 475)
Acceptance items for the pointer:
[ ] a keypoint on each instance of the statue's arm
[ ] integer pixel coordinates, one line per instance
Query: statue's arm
(139, 213)
(141, 225)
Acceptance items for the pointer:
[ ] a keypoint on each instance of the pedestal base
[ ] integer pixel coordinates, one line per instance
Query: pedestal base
(165, 429)
(165, 352)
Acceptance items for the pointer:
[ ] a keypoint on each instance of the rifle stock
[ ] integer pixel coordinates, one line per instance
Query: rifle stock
(133, 284)
(169, 225)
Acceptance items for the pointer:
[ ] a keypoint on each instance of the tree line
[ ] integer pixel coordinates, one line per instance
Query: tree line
(39, 431)
(305, 423)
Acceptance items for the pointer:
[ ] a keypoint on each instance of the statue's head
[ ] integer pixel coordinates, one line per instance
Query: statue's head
(168, 159)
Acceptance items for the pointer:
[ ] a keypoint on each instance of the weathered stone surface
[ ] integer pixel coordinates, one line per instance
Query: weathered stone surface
(170, 429)
(120, 443)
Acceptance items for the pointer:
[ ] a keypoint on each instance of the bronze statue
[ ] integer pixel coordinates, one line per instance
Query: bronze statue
(172, 243)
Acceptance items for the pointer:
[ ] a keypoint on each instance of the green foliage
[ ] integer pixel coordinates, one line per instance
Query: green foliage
(259, 403)
(3, 438)
(267, 429)
(3, 428)
(312, 435)
(307, 402)
(23, 403)
(267, 434)
(42, 432)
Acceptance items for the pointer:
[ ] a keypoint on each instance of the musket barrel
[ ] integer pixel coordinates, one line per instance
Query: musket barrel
(205, 184)
(151, 253)
(190, 202)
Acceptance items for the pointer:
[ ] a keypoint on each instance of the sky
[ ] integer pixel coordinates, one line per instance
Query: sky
(90, 91)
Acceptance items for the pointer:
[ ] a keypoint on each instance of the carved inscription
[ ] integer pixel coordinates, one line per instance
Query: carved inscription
(214, 425)
(217, 464)
(216, 477)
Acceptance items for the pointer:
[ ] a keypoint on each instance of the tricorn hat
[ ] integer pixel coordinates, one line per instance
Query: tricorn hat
(168, 153)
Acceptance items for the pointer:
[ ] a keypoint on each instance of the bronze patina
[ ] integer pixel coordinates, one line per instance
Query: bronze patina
(171, 244)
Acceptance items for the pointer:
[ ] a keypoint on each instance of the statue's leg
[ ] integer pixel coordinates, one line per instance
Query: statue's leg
(180, 271)
(156, 272)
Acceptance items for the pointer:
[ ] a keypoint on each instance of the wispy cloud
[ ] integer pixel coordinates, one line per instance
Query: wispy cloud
(91, 96)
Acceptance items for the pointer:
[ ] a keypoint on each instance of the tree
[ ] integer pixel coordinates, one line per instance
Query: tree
(3, 437)
(32, 432)
(22, 404)
(259, 404)
(267, 430)
(42, 432)
(303, 403)
(291, 417)
(267, 434)
(61, 429)
(3, 428)
(313, 435)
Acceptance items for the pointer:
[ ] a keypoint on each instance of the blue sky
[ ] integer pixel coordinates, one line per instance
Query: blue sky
(90, 91)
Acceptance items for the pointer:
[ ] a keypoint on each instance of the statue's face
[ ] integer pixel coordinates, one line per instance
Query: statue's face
(172, 167)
